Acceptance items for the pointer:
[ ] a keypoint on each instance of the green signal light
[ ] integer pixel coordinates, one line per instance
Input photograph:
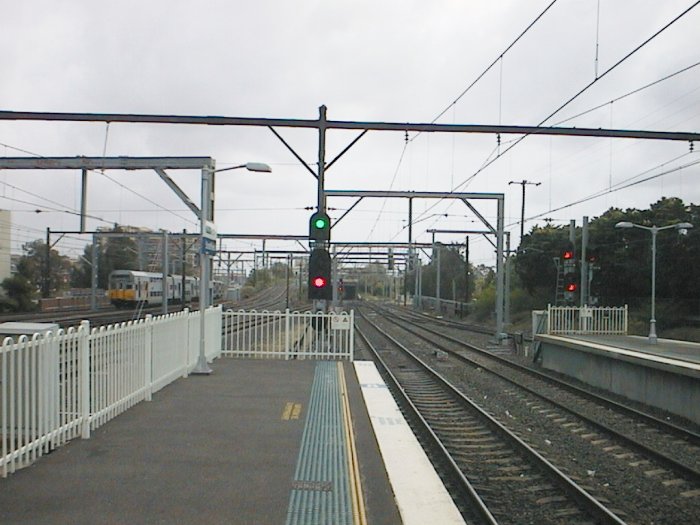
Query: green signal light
(320, 223)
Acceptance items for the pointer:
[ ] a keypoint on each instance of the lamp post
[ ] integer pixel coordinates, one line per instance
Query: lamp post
(206, 214)
(681, 226)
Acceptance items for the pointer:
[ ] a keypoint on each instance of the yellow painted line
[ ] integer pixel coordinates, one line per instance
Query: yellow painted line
(358, 502)
(291, 411)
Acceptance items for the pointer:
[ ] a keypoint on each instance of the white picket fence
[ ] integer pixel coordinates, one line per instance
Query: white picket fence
(58, 386)
(288, 335)
(587, 320)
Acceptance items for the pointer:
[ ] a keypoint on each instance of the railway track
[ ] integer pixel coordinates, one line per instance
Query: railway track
(272, 298)
(507, 481)
(603, 445)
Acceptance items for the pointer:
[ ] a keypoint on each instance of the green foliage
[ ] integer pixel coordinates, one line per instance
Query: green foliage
(20, 295)
(483, 306)
(32, 266)
(452, 270)
(113, 253)
(622, 274)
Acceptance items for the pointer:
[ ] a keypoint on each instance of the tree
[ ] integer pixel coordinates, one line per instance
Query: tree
(622, 272)
(32, 266)
(452, 270)
(20, 294)
(114, 253)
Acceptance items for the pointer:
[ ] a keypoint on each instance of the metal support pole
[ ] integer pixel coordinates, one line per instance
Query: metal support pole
(420, 283)
(166, 281)
(202, 367)
(410, 220)
(321, 305)
(507, 294)
(584, 263)
(289, 262)
(499, 270)
(83, 199)
(183, 265)
(523, 183)
(45, 292)
(466, 269)
(139, 244)
(95, 273)
(438, 305)
(652, 322)
(264, 258)
(414, 263)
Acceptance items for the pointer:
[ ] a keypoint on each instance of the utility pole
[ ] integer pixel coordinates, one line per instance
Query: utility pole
(523, 183)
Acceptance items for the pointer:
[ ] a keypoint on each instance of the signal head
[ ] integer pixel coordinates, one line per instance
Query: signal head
(320, 275)
(320, 227)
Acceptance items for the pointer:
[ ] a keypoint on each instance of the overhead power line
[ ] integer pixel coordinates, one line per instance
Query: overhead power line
(630, 93)
(623, 186)
(499, 57)
(571, 99)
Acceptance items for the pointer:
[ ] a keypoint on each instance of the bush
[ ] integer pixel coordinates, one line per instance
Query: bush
(483, 306)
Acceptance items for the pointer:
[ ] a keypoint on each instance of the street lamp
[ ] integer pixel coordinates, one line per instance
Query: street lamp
(206, 213)
(681, 226)
(250, 166)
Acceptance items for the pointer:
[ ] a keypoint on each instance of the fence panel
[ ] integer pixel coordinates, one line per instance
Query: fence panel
(586, 320)
(169, 348)
(56, 387)
(288, 335)
(117, 371)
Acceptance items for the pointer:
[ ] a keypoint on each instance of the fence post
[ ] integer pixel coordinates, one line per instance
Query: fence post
(186, 339)
(352, 335)
(287, 335)
(84, 359)
(549, 317)
(148, 357)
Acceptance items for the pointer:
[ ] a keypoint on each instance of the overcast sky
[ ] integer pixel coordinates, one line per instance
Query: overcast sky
(391, 60)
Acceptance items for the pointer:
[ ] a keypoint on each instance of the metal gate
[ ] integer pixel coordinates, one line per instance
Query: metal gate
(288, 335)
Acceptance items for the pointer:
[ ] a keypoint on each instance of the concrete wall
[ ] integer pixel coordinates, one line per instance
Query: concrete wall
(5, 241)
(658, 387)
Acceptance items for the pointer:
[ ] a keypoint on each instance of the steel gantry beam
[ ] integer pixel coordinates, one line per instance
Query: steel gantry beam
(322, 125)
(322, 122)
(498, 231)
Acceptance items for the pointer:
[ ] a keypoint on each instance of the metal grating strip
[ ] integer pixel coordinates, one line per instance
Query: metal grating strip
(320, 490)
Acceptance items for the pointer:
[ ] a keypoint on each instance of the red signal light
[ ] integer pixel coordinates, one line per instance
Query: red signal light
(568, 254)
(571, 287)
(319, 282)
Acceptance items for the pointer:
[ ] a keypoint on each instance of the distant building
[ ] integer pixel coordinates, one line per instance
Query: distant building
(5, 242)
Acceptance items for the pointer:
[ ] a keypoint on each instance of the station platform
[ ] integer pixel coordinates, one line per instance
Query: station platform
(665, 375)
(257, 441)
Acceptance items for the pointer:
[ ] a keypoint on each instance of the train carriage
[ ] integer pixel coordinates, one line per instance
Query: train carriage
(131, 287)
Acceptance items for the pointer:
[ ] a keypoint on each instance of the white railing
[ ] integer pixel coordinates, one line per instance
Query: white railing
(587, 320)
(288, 335)
(58, 386)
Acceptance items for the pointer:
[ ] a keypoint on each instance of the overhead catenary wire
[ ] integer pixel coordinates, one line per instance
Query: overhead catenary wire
(572, 98)
(491, 65)
(628, 94)
(621, 186)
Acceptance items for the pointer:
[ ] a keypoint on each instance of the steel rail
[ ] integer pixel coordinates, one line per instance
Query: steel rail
(660, 457)
(650, 419)
(473, 497)
(578, 494)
